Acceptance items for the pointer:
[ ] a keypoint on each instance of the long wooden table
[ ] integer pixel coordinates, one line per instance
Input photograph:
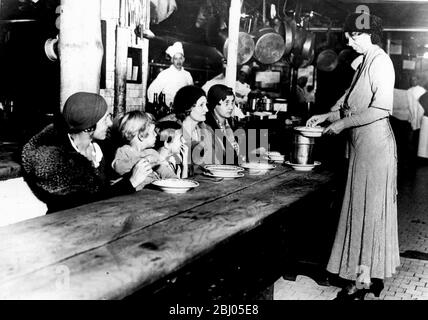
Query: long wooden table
(113, 248)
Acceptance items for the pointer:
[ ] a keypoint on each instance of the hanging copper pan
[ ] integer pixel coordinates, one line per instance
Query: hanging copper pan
(290, 30)
(327, 60)
(308, 45)
(299, 39)
(308, 60)
(245, 47)
(269, 46)
(346, 56)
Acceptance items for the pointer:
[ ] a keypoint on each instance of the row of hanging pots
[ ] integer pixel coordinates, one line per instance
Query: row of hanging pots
(269, 46)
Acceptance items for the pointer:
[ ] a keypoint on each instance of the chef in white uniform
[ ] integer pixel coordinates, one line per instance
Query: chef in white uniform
(170, 80)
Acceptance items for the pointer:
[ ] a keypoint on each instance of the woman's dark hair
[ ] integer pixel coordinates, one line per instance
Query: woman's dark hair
(355, 22)
(185, 100)
(217, 93)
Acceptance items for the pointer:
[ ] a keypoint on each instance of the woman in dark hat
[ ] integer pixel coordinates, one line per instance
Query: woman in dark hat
(64, 165)
(365, 250)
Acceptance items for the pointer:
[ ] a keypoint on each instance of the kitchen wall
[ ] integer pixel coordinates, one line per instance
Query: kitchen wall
(110, 13)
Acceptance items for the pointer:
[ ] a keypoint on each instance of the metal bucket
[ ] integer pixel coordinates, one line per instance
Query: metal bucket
(302, 150)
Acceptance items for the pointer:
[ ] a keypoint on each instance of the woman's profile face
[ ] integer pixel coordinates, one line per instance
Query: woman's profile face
(358, 41)
(102, 127)
(199, 110)
(225, 107)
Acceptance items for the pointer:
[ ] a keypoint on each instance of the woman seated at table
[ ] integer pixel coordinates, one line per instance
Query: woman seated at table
(221, 101)
(190, 108)
(65, 166)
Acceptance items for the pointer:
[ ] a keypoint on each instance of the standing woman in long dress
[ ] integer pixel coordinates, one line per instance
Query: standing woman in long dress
(365, 249)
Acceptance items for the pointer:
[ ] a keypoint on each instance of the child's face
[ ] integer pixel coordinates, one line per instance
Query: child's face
(176, 143)
(150, 140)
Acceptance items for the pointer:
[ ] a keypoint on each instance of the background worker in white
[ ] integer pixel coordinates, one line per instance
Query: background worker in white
(170, 80)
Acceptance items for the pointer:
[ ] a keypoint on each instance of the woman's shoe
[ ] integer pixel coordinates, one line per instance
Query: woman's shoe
(351, 292)
(376, 287)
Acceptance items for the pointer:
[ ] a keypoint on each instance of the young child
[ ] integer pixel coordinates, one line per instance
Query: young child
(138, 131)
(172, 148)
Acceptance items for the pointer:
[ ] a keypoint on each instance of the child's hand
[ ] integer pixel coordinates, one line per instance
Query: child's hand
(140, 172)
(153, 159)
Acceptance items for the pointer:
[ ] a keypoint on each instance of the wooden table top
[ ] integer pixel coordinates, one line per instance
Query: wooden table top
(110, 249)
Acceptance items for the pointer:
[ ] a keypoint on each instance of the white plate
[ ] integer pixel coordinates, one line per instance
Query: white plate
(223, 175)
(223, 168)
(303, 167)
(258, 168)
(175, 185)
(311, 132)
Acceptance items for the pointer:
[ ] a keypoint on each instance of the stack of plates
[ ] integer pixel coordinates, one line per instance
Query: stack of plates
(274, 156)
(303, 167)
(223, 171)
(175, 185)
(258, 168)
(311, 132)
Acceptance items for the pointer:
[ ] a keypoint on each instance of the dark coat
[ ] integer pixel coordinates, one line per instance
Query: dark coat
(221, 143)
(63, 178)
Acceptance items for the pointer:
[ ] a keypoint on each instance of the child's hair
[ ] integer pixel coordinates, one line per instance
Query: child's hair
(133, 123)
(166, 132)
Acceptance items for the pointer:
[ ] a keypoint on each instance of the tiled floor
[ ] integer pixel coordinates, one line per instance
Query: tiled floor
(411, 280)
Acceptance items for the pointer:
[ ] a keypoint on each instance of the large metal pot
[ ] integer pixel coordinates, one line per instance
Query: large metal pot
(269, 47)
(267, 103)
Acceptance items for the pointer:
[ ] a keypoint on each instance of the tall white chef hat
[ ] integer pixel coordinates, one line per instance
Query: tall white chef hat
(177, 47)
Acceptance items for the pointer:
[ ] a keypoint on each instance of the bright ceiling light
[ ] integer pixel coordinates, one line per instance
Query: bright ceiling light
(426, 55)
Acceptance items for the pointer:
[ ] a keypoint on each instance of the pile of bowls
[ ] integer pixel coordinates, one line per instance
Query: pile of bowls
(223, 171)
